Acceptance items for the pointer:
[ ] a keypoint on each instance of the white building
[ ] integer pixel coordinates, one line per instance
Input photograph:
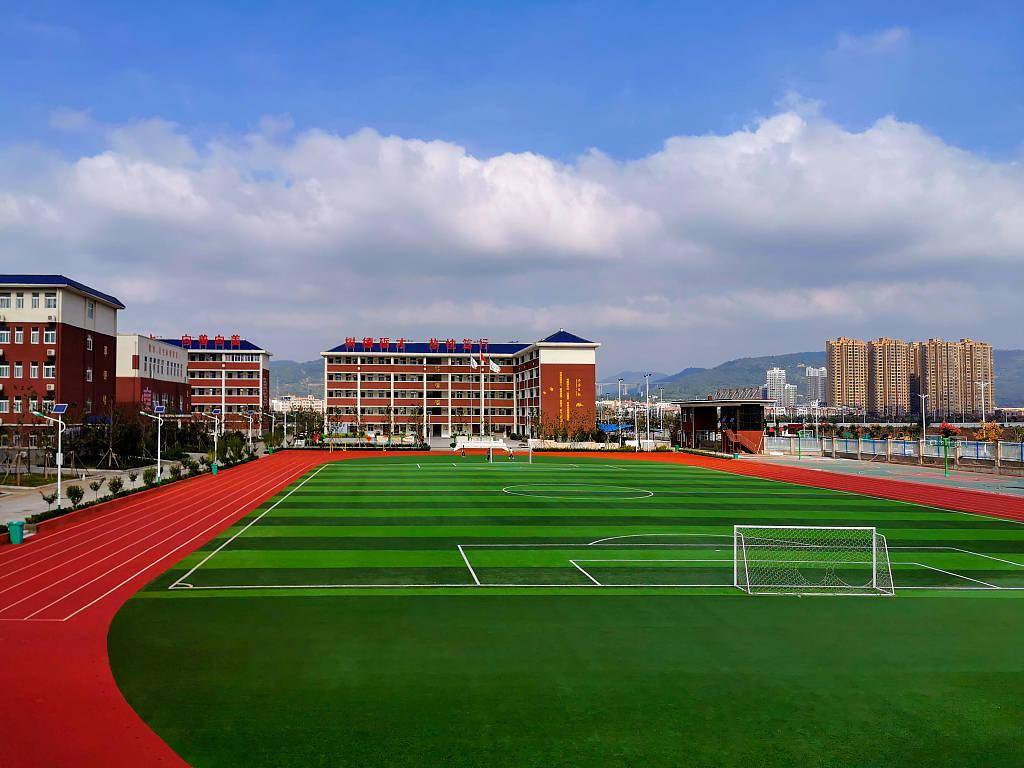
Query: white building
(293, 403)
(776, 385)
(817, 385)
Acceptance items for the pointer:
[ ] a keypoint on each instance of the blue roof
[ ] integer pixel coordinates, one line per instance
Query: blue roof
(564, 337)
(423, 347)
(59, 281)
(243, 345)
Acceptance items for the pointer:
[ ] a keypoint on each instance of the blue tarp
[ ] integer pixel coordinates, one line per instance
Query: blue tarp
(615, 427)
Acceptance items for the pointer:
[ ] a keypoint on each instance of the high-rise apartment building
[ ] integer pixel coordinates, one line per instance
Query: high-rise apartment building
(847, 364)
(817, 385)
(776, 386)
(957, 377)
(888, 377)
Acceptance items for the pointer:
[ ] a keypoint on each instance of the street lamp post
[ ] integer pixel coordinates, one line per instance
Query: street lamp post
(981, 385)
(248, 416)
(59, 409)
(158, 418)
(924, 425)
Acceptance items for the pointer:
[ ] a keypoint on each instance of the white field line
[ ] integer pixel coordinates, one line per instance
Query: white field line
(951, 573)
(247, 527)
(471, 571)
(165, 555)
(176, 523)
(173, 513)
(583, 570)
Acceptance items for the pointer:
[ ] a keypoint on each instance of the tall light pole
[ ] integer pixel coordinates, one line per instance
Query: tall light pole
(248, 417)
(924, 425)
(618, 408)
(59, 409)
(647, 406)
(981, 385)
(214, 414)
(158, 409)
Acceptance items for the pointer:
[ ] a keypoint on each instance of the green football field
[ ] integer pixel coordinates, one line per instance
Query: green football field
(410, 611)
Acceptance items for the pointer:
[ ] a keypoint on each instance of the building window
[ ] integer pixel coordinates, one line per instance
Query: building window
(19, 335)
(19, 371)
(17, 405)
(19, 301)
(34, 369)
(50, 299)
(5, 300)
(49, 371)
(50, 336)
(35, 301)
(5, 337)
(88, 343)
(88, 374)
(34, 335)
(4, 406)
(5, 370)
(90, 309)
(88, 406)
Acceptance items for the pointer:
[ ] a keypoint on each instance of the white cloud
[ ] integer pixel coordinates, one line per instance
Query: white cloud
(775, 236)
(71, 120)
(874, 43)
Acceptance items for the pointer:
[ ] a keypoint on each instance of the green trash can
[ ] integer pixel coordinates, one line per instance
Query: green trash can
(213, 468)
(16, 530)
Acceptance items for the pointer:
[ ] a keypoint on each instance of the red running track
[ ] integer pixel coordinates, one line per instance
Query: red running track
(59, 704)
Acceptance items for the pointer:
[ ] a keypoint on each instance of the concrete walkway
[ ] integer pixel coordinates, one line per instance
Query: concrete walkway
(1009, 485)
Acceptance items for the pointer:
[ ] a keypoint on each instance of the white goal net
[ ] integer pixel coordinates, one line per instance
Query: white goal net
(811, 560)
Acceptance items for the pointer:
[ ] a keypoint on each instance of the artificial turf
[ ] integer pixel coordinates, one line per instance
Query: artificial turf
(517, 673)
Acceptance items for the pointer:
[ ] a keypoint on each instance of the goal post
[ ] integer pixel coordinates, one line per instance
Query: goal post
(507, 454)
(811, 560)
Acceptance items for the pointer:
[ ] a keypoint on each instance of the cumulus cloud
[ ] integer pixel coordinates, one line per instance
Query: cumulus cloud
(766, 239)
(874, 43)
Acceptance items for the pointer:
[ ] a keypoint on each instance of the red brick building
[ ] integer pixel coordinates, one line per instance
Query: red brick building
(445, 387)
(227, 373)
(152, 372)
(58, 344)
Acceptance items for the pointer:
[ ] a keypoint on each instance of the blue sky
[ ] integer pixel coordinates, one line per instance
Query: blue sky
(168, 103)
(550, 78)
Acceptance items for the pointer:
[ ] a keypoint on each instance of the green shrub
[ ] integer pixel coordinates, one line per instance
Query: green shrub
(175, 471)
(75, 494)
(115, 485)
(95, 486)
(133, 476)
(49, 498)
(149, 476)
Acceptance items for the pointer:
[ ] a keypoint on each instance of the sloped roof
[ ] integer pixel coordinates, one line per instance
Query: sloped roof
(60, 281)
(562, 336)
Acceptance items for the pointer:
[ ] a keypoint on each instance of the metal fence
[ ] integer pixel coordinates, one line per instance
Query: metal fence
(872, 448)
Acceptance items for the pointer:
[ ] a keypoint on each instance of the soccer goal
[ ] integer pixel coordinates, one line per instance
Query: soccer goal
(524, 455)
(810, 560)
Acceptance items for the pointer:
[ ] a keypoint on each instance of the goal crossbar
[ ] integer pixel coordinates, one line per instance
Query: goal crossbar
(811, 560)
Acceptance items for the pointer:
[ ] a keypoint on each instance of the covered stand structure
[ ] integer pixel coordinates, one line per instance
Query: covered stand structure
(731, 421)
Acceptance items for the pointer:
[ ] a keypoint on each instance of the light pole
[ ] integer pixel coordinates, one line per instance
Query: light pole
(60, 409)
(158, 409)
(213, 415)
(981, 385)
(924, 424)
(647, 406)
(618, 409)
(248, 417)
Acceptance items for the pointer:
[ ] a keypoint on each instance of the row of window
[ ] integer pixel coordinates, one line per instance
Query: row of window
(49, 299)
(226, 374)
(49, 371)
(385, 394)
(349, 410)
(49, 336)
(223, 358)
(228, 391)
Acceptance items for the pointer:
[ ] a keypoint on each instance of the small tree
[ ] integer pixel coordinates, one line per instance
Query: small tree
(149, 476)
(49, 498)
(75, 494)
(990, 432)
(175, 471)
(948, 430)
(133, 476)
(115, 485)
(95, 486)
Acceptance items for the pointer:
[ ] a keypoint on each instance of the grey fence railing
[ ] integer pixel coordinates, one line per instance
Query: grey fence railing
(868, 448)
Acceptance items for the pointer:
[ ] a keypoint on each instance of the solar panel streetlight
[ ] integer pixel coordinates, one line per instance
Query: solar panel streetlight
(59, 409)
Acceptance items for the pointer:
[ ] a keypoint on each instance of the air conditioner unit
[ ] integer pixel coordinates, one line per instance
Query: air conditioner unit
(51, 352)
(51, 318)
(50, 387)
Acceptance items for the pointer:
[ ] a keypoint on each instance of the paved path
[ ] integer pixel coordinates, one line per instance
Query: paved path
(914, 473)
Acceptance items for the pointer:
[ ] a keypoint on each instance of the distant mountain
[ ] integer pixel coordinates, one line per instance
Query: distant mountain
(632, 377)
(288, 377)
(750, 371)
(744, 371)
